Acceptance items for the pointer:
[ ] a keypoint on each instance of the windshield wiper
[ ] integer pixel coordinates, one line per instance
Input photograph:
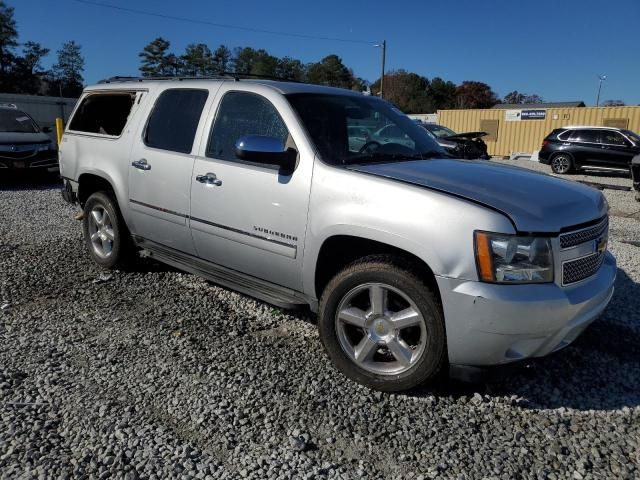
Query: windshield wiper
(390, 157)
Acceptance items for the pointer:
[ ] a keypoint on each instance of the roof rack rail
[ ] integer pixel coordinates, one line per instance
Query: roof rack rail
(221, 76)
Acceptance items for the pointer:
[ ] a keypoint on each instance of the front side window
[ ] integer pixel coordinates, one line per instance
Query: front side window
(349, 129)
(241, 114)
(103, 113)
(613, 138)
(586, 136)
(635, 138)
(174, 120)
(16, 121)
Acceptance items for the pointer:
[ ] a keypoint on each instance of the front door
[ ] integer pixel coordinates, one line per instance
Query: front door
(244, 216)
(617, 151)
(586, 148)
(160, 169)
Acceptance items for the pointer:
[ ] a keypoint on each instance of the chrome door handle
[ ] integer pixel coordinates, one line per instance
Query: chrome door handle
(141, 164)
(209, 179)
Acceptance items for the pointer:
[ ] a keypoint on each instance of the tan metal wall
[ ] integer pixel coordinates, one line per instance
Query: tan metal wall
(527, 135)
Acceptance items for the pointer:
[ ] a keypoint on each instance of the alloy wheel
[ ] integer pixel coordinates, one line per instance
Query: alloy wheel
(561, 164)
(381, 329)
(101, 231)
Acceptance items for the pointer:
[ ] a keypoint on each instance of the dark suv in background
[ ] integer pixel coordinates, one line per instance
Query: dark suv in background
(571, 148)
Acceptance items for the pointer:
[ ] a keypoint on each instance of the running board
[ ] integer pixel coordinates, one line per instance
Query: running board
(225, 277)
(605, 169)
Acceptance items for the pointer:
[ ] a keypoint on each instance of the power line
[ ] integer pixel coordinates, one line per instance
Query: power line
(221, 25)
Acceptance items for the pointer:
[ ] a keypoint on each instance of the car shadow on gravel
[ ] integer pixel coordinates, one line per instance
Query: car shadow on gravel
(31, 181)
(599, 371)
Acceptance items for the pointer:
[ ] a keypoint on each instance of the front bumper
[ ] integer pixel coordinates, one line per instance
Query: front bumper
(635, 172)
(45, 161)
(489, 324)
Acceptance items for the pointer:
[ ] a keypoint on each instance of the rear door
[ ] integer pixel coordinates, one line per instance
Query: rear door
(617, 150)
(160, 168)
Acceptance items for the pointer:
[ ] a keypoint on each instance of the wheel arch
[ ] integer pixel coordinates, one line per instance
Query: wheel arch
(89, 183)
(562, 152)
(339, 250)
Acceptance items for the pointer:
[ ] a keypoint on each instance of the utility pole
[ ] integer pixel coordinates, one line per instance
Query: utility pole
(383, 46)
(602, 78)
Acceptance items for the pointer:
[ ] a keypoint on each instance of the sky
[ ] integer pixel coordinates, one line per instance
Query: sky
(555, 49)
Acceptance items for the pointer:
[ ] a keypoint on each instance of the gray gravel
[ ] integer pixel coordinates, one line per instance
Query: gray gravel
(156, 374)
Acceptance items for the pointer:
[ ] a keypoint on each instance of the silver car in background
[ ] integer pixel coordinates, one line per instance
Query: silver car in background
(413, 261)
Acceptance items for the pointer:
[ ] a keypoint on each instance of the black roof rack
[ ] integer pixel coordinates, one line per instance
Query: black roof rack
(221, 76)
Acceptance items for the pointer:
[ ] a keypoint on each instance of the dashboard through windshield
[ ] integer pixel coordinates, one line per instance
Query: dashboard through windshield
(349, 129)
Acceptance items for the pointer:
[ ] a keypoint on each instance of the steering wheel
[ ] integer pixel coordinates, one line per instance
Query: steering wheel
(369, 147)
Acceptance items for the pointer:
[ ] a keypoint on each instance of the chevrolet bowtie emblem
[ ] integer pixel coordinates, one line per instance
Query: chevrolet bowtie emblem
(601, 245)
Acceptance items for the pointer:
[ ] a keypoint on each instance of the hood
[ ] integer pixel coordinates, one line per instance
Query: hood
(467, 136)
(17, 138)
(535, 202)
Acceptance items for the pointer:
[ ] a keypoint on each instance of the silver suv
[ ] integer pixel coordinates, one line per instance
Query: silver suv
(412, 261)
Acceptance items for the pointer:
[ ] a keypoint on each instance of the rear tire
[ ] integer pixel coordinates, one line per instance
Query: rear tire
(105, 233)
(562, 164)
(381, 325)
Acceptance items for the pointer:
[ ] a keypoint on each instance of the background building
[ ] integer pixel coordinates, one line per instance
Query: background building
(522, 129)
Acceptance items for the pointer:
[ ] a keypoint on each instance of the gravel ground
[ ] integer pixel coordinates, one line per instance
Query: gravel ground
(154, 374)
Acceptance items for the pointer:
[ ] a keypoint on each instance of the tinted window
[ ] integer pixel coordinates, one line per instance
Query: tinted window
(613, 138)
(105, 114)
(16, 121)
(633, 136)
(240, 114)
(588, 136)
(174, 120)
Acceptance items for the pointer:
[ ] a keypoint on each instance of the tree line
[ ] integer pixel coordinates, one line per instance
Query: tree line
(21, 69)
(199, 60)
(410, 92)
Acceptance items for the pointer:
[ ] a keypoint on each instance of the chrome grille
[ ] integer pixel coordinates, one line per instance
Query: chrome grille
(572, 239)
(575, 270)
(17, 155)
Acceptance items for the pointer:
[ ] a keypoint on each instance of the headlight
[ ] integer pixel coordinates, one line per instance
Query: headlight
(45, 146)
(504, 258)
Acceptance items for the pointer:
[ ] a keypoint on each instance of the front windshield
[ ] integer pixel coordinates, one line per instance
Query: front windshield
(439, 131)
(16, 121)
(348, 129)
(633, 136)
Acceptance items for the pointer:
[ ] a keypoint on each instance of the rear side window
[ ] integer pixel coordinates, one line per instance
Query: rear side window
(105, 114)
(587, 136)
(240, 114)
(174, 120)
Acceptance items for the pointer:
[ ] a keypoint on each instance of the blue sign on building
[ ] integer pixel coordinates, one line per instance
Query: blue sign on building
(533, 114)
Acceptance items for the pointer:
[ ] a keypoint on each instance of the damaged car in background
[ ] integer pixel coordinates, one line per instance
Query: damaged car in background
(467, 145)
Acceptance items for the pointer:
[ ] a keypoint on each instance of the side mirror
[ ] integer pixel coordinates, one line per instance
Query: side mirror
(266, 150)
(47, 130)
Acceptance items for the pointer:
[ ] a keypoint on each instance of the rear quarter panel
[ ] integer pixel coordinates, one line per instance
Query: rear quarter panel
(102, 155)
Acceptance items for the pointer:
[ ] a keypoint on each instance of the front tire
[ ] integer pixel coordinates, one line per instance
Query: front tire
(382, 326)
(105, 232)
(562, 164)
